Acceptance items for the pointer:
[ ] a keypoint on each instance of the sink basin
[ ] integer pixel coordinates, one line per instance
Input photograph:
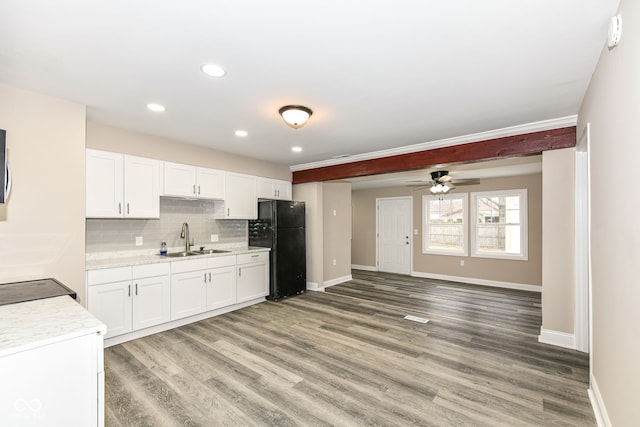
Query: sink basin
(211, 251)
(182, 254)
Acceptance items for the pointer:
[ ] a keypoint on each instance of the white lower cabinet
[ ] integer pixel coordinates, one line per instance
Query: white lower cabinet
(221, 287)
(201, 285)
(188, 294)
(132, 298)
(111, 303)
(151, 295)
(253, 276)
(129, 298)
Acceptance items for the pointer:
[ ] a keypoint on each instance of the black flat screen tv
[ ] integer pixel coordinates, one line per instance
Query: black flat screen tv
(3, 166)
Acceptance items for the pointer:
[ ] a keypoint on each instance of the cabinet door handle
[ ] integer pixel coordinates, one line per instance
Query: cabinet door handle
(129, 290)
(209, 277)
(194, 189)
(240, 272)
(228, 212)
(255, 256)
(136, 289)
(127, 208)
(198, 190)
(120, 208)
(205, 277)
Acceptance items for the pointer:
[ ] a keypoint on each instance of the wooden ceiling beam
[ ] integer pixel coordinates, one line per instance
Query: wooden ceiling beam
(510, 146)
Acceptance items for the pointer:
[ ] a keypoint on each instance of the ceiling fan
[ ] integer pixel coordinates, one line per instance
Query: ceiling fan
(441, 182)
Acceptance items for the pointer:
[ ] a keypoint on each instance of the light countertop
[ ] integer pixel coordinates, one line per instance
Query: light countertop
(32, 324)
(124, 259)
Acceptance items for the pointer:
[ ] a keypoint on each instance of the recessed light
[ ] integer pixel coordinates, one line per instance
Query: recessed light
(241, 133)
(156, 108)
(213, 70)
(296, 149)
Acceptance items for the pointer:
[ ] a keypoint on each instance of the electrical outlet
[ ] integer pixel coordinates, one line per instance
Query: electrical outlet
(461, 263)
(415, 231)
(139, 241)
(335, 213)
(214, 237)
(334, 263)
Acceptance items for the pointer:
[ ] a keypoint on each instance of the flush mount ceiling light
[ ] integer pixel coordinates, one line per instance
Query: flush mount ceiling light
(241, 133)
(213, 70)
(156, 108)
(295, 115)
(296, 149)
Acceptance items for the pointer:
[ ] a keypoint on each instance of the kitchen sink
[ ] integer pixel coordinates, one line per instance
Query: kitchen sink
(182, 254)
(211, 251)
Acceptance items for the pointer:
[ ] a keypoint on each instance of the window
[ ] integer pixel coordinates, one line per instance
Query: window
(445, 224)
(499, 225)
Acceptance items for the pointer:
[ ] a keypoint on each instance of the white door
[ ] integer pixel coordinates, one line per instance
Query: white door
(394, 234)
(583, 245)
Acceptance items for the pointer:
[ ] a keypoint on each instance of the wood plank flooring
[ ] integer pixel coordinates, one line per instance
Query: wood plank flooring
(346, 357)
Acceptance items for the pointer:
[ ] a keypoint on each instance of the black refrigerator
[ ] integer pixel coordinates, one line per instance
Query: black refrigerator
(280, 226)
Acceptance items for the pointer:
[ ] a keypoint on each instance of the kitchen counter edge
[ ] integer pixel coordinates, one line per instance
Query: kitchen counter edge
(153, 259)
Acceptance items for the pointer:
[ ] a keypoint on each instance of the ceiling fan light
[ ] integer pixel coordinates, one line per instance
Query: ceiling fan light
(433, 189)
(295, 116)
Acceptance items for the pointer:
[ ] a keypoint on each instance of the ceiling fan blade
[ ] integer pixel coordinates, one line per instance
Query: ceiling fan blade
(468, 182)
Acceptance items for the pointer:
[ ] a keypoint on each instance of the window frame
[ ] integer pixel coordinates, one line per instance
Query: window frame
(523, 255)
(465, 225)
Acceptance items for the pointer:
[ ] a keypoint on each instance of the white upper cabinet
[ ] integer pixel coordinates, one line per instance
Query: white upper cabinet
(192, 182)
(121, 186)
(274, 189)
(179, 180)
(210, 183)
(141, 187)
(105, 184)
(240, 200)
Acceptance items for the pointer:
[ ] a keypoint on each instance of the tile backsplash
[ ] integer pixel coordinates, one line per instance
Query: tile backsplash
(119, 235)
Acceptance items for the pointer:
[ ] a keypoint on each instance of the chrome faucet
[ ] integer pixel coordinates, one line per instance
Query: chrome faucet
(185, 235)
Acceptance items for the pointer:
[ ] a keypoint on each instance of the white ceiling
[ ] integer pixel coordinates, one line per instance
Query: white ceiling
(377, 74)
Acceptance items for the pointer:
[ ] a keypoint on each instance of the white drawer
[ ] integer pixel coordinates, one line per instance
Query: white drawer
(253, 257)
(108, 275)
(151, 270)
(188, 265)
(221, 261)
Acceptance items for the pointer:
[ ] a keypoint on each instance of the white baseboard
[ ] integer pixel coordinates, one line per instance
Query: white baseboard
(337, 281)
(599, 410)
(482, 282)
(560, 339)
(363, 267)
(311, 286)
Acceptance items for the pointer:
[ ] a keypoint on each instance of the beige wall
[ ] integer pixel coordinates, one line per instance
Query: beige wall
(611, 106)
(108, 138)
(558, 225)
(520, 272)
(42, 225)
(337, 230)
(328, 235)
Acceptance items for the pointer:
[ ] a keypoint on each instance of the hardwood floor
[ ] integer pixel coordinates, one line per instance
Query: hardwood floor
(346, 357)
